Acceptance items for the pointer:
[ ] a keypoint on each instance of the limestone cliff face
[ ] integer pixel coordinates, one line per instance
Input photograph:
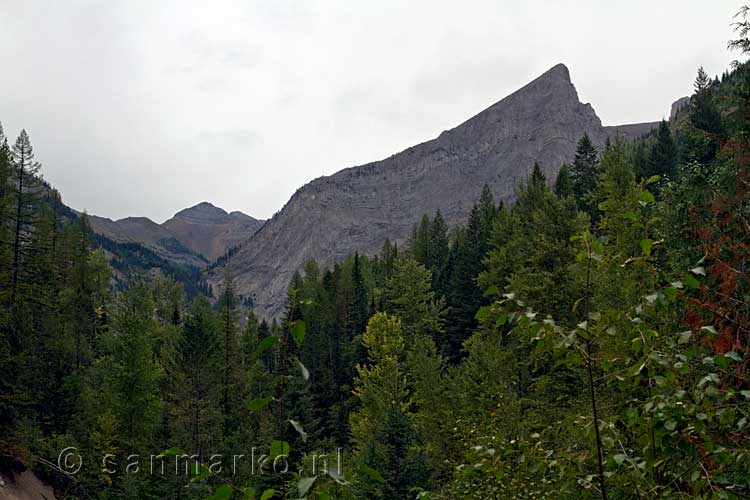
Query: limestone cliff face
(356, 209)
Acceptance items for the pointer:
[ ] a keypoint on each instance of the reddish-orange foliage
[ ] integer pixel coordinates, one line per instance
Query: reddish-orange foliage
(723, 301)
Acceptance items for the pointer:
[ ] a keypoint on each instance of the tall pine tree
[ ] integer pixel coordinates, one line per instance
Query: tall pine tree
(584, 172)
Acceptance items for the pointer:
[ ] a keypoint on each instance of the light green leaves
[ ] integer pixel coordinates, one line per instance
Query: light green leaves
(279, 448)
(482, 314)
(267, 494)
(691, 282)
(646, 245)
(298, 332)
(248, 493)
(258, 403)
(372, 473)
(223, 492)
(264, 345)
(645, 198)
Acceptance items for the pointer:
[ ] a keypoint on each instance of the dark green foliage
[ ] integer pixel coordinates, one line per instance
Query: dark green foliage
(584, 172)
(466, 262)
(231, 380)
(700, 138)
(564, 183)
(408, 295)
(360, 306)
(197, 375)
(662, 160)
(132, 375)
(703, 112)
(430, 247)
(24, 213)
(530, 248)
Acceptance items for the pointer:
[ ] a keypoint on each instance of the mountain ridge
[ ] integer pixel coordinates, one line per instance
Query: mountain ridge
(202, 229)
(358, 207)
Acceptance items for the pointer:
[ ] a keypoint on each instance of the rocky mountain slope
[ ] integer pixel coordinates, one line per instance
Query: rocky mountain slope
(356, 209)
(149, 234)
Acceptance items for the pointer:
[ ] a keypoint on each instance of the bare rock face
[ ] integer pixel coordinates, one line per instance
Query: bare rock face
(209, 230)
(24, 486)
(678, 106)
(356, 209)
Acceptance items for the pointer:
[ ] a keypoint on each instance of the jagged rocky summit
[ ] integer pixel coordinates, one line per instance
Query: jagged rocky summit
(356, 209)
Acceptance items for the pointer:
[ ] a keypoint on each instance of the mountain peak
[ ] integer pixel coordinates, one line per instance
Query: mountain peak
(556, 79)
(209, 230)
(360, 207)
(559, 70)
(203, 210)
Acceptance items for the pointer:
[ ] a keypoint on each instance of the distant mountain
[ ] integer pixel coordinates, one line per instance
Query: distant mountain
(193, 237)
(357, 208)
(209, 230)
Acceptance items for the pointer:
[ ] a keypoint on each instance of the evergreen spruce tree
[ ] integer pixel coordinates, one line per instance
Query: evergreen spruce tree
(361, 305)
(530, 248)
(22, 338)
(617, 190)
(132, 376)
(703, 113)
(466, 262)
(387, 258)
(700, 141)
(199, 371)
(584, 172)
(26, 200)
(564, 183)
(231, 384)
(250, 339)
(663, 156)
(409, 296)
(420, 240)
(5, 217)
(6, 355)
(438, 250)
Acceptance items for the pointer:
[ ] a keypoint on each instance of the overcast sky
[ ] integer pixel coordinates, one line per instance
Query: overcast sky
(145, 107)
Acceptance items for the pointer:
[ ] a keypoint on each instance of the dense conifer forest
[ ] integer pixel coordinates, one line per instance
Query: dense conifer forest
(590, 341)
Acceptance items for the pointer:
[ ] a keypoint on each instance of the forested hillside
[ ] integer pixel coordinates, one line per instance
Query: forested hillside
(590, 341)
